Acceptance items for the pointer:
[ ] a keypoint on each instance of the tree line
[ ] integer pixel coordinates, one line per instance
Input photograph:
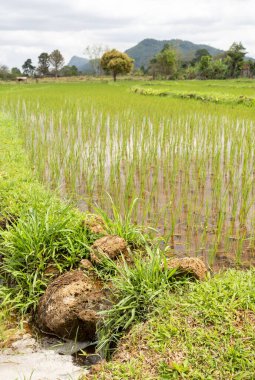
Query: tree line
(230, 64)
(167, 64)
(48, 65)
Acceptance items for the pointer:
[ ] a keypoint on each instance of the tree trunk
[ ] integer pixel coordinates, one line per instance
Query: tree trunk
(114, 77)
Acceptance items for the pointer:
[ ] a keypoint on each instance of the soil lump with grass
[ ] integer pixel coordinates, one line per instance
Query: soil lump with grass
(109, 246)
(189, 266)
(69, 307)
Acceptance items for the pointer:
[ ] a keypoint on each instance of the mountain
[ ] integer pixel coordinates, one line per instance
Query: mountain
(145, 50)
(82, 64)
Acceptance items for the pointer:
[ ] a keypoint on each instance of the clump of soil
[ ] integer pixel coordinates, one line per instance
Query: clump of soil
(109, 246)
(86, 264)
(69, 307)
(95, 224)
(189, 266)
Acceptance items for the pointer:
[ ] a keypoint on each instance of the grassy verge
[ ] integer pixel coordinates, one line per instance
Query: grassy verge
(41, 235)
(200, 331)
(204, 97)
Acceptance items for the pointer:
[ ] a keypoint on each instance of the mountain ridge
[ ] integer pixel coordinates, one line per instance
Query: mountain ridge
(146, 49)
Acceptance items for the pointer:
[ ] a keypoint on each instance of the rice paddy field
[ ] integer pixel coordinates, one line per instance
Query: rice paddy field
(185, 149)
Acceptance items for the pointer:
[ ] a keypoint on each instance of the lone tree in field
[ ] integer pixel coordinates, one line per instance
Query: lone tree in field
(115, 62)
(57, 61)
(43, 64)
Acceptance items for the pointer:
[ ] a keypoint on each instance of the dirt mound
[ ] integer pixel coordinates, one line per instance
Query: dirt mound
(109, 246)
(69, 307)
(190, 266)
(95, 224)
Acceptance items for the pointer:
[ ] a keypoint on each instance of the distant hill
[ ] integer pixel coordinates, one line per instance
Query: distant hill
(81, 63)
(145, 50)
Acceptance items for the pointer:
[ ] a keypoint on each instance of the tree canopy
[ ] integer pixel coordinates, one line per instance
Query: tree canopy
(57, 61)
(235, 59)
(43, 64)
(164, 63)
(116, 62)
(28, 68)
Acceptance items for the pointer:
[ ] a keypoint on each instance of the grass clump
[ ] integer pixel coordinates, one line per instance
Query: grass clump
(122, 224)
(200, 331)
(135, 289)
(41, 244)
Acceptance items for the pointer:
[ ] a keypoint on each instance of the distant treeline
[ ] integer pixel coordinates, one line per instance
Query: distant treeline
(167, 64)
(48, 65)
(229, 64)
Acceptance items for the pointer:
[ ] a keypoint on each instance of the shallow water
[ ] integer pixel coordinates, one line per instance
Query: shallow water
(48, 359)
(44, 365)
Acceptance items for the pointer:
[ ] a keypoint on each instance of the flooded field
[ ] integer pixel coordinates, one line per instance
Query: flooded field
(190, 163)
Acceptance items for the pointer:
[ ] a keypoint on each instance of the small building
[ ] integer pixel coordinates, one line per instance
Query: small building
(21, 79)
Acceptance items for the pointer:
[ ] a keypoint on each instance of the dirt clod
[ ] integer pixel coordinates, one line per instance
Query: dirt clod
(95, 224)
(109, 246)
(190, 266)
(86, 264)
(69, 307)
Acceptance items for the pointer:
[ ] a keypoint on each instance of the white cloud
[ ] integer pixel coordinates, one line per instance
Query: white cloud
(28, 27)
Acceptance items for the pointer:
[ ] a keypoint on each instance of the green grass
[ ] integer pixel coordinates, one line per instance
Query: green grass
(200, 331)
(135, 288)
(190, 164)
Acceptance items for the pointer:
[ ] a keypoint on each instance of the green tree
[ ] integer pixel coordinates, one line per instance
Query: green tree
(4, 72)
(248, 69)
(218, 69)
(204, 67)
(115, 62)
(153, 68)
(57, 61)
(164, 63)
(28, 68)
(69, 71)
(167, 62)
(235, 59)
(15, 72)
(43, 64)
(199, 54)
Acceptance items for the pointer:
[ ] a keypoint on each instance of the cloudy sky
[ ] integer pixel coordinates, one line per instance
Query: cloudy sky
(29, 27)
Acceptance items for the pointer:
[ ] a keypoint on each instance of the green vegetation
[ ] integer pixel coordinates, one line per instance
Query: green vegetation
(115, 62)
(189, 161)
(199, 331)
(147, 49)
(168, 64)
(44, 235)
(135, 289)
(164, 63)
(182, 164)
